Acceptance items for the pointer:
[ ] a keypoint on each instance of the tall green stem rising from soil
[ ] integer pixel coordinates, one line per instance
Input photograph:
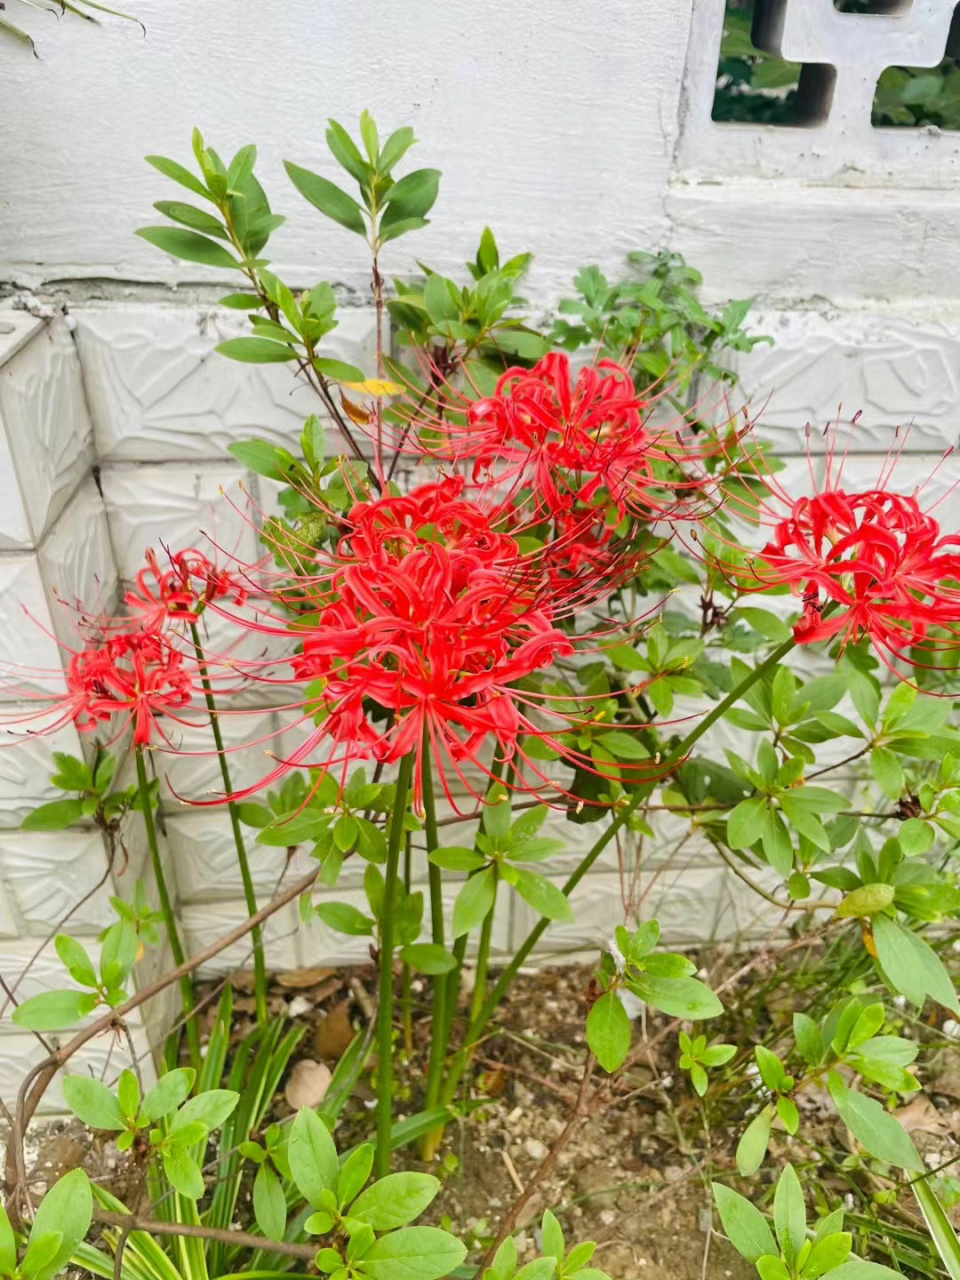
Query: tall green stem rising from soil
(249, 894)
(166, 908)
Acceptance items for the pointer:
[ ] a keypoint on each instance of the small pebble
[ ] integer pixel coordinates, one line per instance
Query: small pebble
(536, 1149)
(298, 1006)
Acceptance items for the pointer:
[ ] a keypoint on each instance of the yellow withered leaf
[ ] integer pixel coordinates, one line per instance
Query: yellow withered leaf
(375, 387)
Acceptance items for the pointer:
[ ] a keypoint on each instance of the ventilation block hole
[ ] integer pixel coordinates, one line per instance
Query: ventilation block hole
(755, 86)
(915, 97)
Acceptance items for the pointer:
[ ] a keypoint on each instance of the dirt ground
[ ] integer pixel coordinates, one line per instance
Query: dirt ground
(635, 1179)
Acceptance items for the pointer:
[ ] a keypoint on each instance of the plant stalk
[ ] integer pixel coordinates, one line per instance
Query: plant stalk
(166, 909)
(249, 893)
(479, 1021)
(385, 1014)
(440, 985)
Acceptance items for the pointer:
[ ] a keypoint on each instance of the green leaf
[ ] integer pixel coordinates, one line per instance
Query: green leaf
(772, 1267)
(912, 966)
(457, 858)
(396, 147)
(745, 823)
(78, 964)
(866, 900)
(93, 1103)
(860, 1270)
(256, 351)
(170, 169)
(744, 1224)
(53, 1010)
(313, 1156)
(355, 1172)
(623, 745)
(209, 1108)
(169, 1091)
(752, 1146)
(553, 1243)
(196, 219)
(428, 957)
(118, 953)
(413, 1253)
(338, 370)
(241, 301)
(345, 153)
(474, 901)
(939, 1226)
(269, 1203)
(8, 1246)
(609, 1031)
(413, 196)
(67, 1209)
(874, 1128)
(327, 197)
(183, 1172)
(189, 246)
(40, 1258)
(827, 1254)
(545, 898)
(395, 1200)
(789, 1214)
(270, 461)
(887, 771)
(679, 997)
(344, 918)
(55, 816)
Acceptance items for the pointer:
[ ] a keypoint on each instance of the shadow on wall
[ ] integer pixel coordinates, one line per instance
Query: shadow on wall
(757, 86)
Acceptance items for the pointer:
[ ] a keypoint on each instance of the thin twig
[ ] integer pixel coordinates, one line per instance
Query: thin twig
(37, 1080)
(130, 1222)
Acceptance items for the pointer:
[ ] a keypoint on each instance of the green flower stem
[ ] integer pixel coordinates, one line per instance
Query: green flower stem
(483, 955)
(249, 894)
(479, 1022)
(438, 1021)
(166, 909)
(385, 1014)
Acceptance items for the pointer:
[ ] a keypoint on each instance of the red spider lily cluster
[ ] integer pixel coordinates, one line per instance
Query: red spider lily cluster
(134, 672)
(428, 624)
(868, 563)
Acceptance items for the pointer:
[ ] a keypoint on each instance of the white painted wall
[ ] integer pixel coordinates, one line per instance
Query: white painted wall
(578, 131)
(553, 122)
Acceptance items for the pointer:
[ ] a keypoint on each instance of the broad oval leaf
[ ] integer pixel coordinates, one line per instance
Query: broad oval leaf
(93, 1103)
(312, 1156)
(413, 1253)
(395, 1200)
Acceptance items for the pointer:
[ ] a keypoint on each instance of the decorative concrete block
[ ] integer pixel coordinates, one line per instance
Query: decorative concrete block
(30, 660)
(901, 373)
(204, 922)
(160, 392)
(205, 857)
(77, 565)
(178, 507)
(103, 1058)
(838, 144)
(26, 763)
(50, 872)
(195, 774)
(44, 416)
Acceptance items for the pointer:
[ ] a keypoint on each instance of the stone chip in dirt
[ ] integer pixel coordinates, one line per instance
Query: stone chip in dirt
(308, 1084)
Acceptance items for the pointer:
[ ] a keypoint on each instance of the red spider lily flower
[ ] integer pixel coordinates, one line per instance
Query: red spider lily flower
(568, 442)
(881, 561)
(180, 592)
(134, 677)
(433, 615)
(866, 563)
